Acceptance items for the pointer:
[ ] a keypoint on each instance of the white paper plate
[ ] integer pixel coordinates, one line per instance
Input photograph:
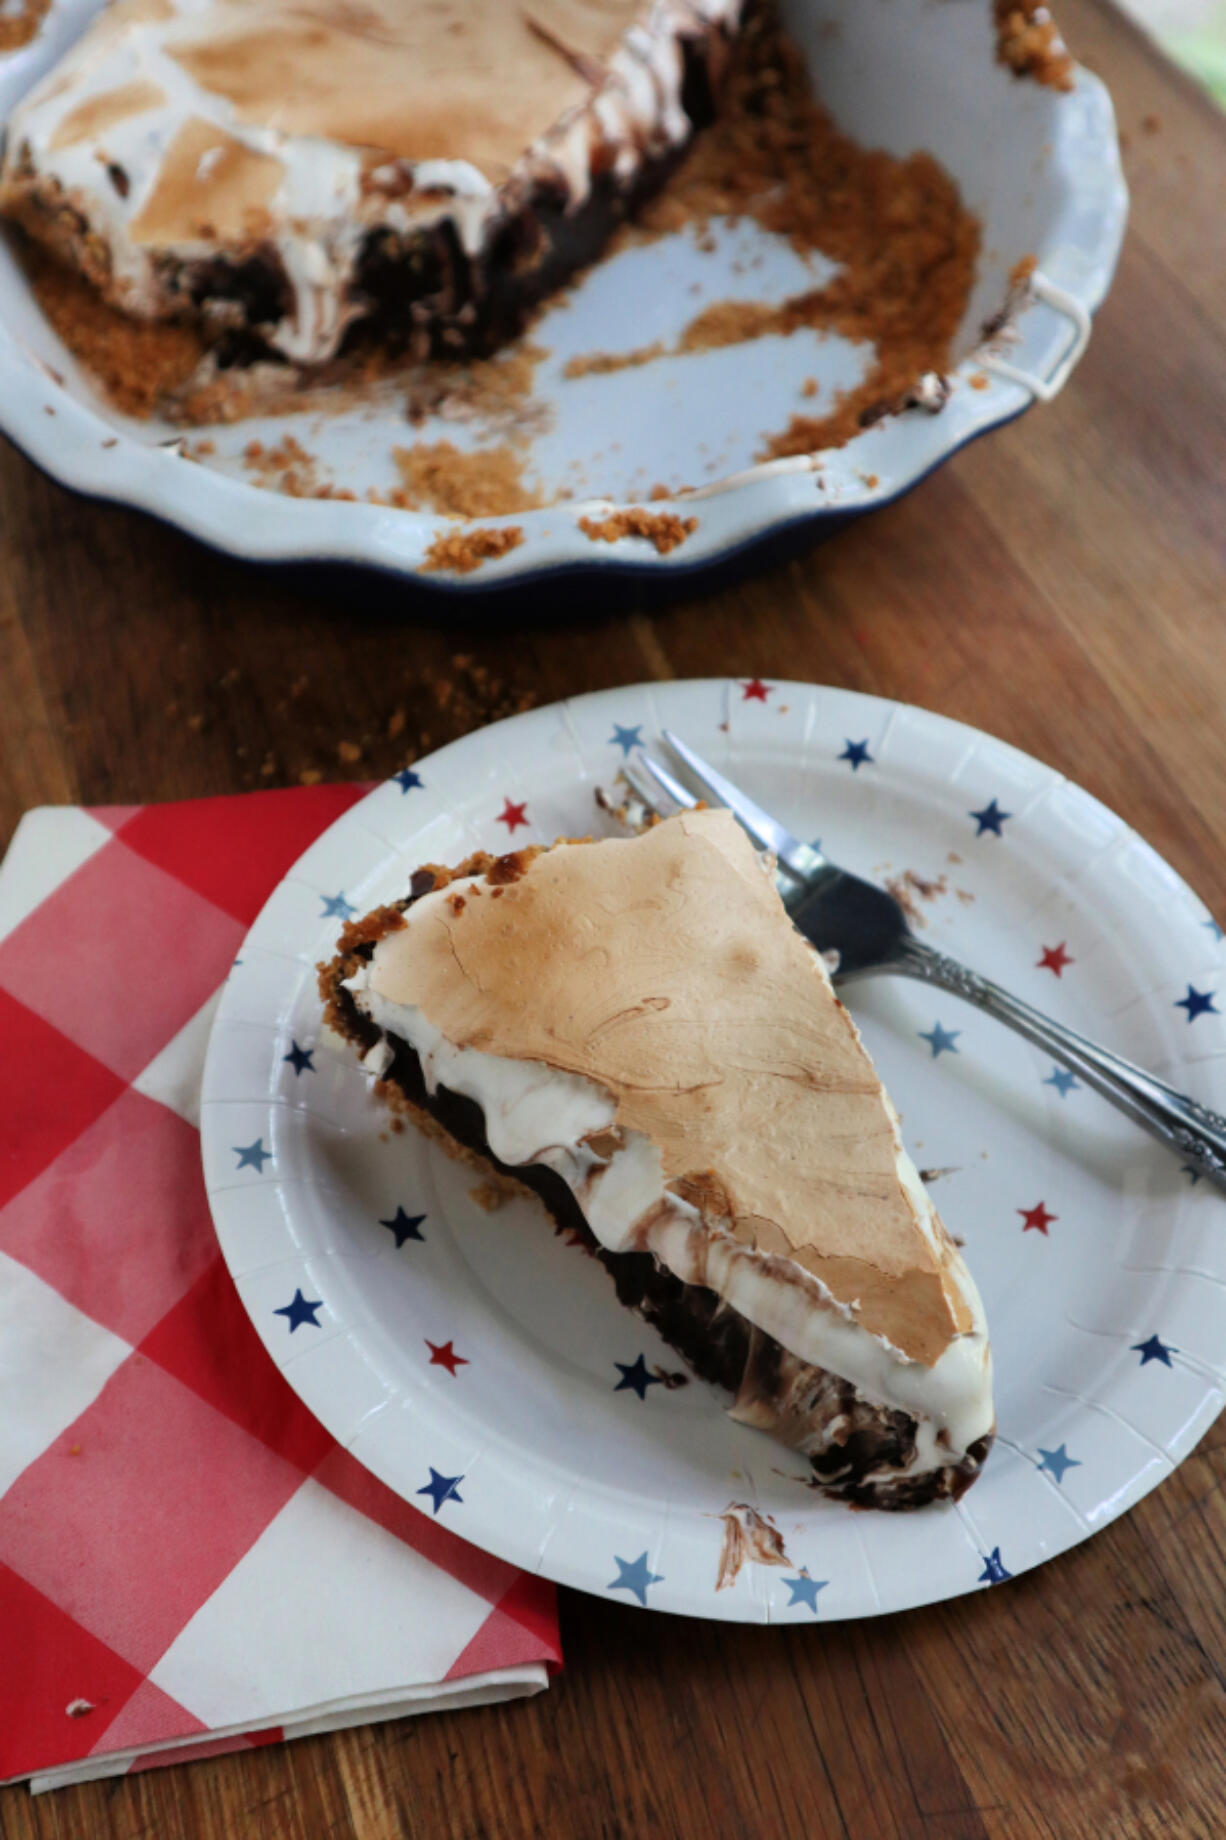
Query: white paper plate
(1102, 1266)
(1041, 170)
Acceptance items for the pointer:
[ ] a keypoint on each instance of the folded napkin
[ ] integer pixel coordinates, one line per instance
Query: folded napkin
(188, 1562)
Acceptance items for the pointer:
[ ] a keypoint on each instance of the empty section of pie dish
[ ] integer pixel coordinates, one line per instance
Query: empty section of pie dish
(1038, 166)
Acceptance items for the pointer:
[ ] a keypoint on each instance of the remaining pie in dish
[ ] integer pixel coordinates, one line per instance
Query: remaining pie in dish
(634, 1029)
(278, 170)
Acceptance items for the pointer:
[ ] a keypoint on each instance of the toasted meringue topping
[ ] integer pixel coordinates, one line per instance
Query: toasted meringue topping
(456, 80)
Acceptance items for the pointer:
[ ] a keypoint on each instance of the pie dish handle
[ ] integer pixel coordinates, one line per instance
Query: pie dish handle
(1181, 1123)
(1043, 290)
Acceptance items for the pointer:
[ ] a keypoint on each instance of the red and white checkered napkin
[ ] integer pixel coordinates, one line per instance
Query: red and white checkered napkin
(188, 1562)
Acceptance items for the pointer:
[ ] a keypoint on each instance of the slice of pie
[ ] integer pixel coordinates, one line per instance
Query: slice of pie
(277, 170)
(634, 1029)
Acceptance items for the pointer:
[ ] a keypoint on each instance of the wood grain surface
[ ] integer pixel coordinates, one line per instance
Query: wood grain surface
(1060, 584)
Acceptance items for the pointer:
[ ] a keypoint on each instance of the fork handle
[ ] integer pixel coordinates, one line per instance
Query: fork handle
(1190, 1129)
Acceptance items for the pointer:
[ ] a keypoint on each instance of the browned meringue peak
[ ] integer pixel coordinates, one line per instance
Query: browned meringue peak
(665, 969)
(93, 117)
(477, 80)
(209, 185)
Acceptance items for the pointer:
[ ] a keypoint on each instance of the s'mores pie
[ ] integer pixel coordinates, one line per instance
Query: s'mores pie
(633, 1029)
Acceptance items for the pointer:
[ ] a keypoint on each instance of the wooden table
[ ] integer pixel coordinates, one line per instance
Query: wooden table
(1062, 584)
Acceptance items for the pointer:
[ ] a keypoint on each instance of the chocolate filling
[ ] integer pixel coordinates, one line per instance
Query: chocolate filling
(773, 1388)
(422, 292)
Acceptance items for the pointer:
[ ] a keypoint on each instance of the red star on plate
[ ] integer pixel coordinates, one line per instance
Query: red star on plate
(512, 815)
(1055, 958)
(444, 1355)
(1037, 1218)
(755, 691)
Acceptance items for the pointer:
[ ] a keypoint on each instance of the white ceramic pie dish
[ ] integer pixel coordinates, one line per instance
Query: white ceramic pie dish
(1039, 168)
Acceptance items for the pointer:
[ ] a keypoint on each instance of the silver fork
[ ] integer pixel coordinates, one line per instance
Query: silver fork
(841, 913)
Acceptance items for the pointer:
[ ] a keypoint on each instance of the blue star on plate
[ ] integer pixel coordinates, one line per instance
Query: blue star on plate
(940, 1040)
(804, 1590)
(635, 1378)
(302, 1060)
(1215, 929)
(300, 1311)
(252, 1156)
(994, 1569)
(990, 819)
(404, 1226)
(442, 1488)
(1056, 1462)
(1197, 1003)
(627, 739)
(1063, 1081)
(856, 754)
(1154, 1350)
(633, 1575)
(406, 779)
(336, 907)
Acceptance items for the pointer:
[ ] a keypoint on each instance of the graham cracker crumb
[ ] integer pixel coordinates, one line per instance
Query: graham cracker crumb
(910, 888)
(136, 364)
(461, 551)
(438, 476)
(492, 1194)
(602, 363)
(287, 467)
(497, 390)
(902, 894)
(664, 530)
(1028, 42)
